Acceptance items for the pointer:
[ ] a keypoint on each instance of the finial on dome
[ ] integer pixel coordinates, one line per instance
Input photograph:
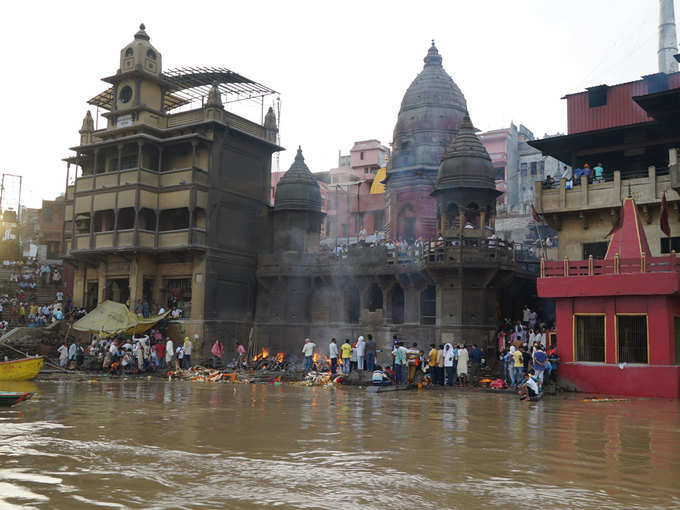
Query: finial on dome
(141, 34)
(299, 155)
(433, 57)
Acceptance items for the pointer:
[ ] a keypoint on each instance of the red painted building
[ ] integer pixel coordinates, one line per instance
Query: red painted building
(618, 319)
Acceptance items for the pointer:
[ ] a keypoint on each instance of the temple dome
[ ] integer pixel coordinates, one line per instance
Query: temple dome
(431, 112)
(298, 190)
(466, 163)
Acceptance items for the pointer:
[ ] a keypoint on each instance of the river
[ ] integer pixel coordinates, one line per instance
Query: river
(158, 444)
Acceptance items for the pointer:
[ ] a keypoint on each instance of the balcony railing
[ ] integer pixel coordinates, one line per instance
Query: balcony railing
(468, 252)
(645, 187)
(146, 240)
(144, 176)
(617, 265)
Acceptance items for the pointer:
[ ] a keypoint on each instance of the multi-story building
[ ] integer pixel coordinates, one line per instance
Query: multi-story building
(51, 228)
(166, 202)
(631, 130)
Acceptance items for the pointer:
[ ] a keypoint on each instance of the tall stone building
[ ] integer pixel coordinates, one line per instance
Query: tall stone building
(166, 204)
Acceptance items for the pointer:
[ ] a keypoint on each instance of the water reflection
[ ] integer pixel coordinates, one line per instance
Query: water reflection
(158, 444)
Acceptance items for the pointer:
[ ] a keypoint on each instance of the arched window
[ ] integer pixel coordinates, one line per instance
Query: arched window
(472, 215)
(151, 54)
(452, 217)
(397, 300)
(129, 52)
(174, 219)
(375, 298)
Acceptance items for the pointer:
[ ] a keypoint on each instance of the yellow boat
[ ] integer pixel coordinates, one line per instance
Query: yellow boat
(21, 369)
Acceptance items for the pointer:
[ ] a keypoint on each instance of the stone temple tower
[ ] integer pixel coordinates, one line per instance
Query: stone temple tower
(471, 266)
(431, 112)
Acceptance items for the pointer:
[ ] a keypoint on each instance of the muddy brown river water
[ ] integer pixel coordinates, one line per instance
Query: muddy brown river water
(157, 444)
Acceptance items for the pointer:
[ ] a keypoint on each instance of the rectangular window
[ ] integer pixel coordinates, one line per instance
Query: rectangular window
(177, 293)
(676, 338)
(668, 245)
(597, 250)
(534, 166)
(47, 214)
(589, 338)
(541, 167)
(361, 156)
(128, 162)
(523, 169)
(631, 339)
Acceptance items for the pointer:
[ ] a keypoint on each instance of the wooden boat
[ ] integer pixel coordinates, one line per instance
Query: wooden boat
(9, 398)
(21, 369)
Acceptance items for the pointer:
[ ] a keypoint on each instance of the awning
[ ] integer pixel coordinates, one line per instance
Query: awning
(111, 318)
(377, 186)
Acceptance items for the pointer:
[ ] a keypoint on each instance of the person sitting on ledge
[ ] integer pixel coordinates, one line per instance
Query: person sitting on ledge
(529, 387)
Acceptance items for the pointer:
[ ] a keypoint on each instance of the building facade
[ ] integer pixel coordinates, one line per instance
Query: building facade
(160, 212)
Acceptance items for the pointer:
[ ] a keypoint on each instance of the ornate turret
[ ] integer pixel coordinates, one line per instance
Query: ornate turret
(140, 55)
(466, 189)
(466, 163)
(298, 190)
(86, 129)
(297, 210)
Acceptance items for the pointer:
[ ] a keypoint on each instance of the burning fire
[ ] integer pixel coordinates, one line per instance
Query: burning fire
(279, 357)
(261, 355)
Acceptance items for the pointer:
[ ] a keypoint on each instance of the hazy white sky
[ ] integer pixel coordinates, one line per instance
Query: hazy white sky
(341, 67)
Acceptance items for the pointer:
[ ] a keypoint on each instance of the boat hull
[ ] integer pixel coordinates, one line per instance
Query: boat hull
(21, 369)
(9, 398)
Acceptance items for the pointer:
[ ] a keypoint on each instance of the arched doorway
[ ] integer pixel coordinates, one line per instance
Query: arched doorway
(428, 306)
(375, 298)
(397, 302)
(352, 305)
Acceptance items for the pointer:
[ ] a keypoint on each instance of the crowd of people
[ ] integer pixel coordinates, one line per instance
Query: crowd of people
(527, 358)
(20, 304)
(128, 354)
(445, 364)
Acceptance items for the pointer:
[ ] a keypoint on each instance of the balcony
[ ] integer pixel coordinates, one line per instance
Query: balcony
(381, 260)
(143, 240)
(141, 176)
(645, 188)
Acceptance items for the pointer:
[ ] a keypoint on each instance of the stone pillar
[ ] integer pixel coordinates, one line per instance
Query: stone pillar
(136, 280)
(79, 285)
(198, 288)
(101, 277)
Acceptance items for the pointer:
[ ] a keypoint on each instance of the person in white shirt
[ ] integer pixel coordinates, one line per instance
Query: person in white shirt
(333, 354)
(169, 352)
(529, 386)
(361, 352)
(63, 355)
(188, 346)
(308, 353)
